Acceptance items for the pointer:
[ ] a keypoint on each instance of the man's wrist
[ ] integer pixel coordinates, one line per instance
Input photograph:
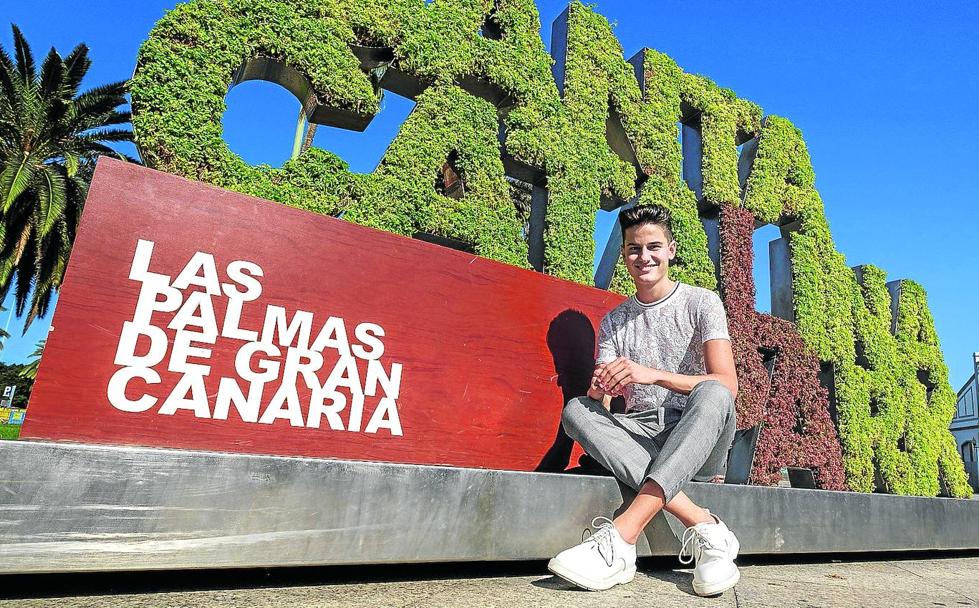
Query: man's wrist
(652, 376)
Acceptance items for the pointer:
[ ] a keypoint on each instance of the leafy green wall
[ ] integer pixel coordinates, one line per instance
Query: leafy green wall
(894, 435)
(472, 85)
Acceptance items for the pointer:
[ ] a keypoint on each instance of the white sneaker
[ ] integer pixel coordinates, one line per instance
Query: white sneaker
(714, 548)
(600, 562)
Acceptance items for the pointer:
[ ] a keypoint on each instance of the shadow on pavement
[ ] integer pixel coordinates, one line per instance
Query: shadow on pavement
(681, 580)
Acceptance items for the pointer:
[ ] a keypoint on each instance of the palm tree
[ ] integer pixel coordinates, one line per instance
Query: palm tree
(30, 370)
(50, 137)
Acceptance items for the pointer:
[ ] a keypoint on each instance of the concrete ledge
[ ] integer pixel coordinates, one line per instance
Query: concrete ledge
(72, 507)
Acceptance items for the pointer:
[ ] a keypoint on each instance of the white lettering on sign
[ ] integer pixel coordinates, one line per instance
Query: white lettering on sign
(346, 380)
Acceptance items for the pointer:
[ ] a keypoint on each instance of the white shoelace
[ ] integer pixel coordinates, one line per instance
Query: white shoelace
(693, 545)
(602, 539)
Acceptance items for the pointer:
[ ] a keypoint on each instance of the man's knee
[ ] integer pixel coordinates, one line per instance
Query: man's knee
(574, 416)
(713, 395)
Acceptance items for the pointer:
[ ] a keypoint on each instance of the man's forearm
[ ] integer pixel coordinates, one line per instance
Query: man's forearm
(615, 376)
(683, 384)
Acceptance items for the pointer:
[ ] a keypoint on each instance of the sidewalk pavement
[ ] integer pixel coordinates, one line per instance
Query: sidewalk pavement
(948, 581)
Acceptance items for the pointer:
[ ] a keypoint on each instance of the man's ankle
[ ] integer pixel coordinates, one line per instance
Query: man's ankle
(708, 518)
(628, 534)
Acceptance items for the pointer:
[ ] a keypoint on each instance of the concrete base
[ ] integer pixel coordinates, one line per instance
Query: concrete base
(68, 507)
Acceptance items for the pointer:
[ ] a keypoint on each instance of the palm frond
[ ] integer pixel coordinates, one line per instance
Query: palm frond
(51, 200)
(91, 107)
(56, 113)
(99, 135)
(24, 280)
(25, 58)
(14, 224)
(49, 271)
(76, 66)
(15, 179)
(52, 75)
(94, 97)
(92, 148)
(6, 63)
(117, 118)
(71, 163)
(39, 304)
(6, 75)
(3, 332)
(30, 370)
(13, 259)
(7, 269)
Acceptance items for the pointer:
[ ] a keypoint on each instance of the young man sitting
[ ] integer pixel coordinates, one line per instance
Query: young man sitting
(667, 350)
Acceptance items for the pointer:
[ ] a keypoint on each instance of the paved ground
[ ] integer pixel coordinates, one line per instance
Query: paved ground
(919, 582)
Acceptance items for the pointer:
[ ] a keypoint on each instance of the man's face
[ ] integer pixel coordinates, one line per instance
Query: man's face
(647, 252)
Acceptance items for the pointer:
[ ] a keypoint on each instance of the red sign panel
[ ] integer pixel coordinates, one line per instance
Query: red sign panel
(193, 317)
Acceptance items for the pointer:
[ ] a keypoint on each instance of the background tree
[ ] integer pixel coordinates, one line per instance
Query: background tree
(10, 374)
(50, 137)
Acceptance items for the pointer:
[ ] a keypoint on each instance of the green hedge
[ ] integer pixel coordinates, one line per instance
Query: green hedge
(892, 439)
(400, 196)
(920, 353)
(187, 65)
(659, 154)
(183, 74)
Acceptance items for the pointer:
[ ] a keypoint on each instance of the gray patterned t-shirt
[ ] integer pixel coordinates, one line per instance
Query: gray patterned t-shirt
(668, 334)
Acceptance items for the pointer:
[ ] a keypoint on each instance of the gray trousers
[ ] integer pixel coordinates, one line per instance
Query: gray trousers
(668, 446)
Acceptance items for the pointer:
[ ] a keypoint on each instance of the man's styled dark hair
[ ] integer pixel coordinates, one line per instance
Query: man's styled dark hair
(647, 214)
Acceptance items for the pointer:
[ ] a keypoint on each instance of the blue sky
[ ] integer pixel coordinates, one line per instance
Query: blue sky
(885, 95)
